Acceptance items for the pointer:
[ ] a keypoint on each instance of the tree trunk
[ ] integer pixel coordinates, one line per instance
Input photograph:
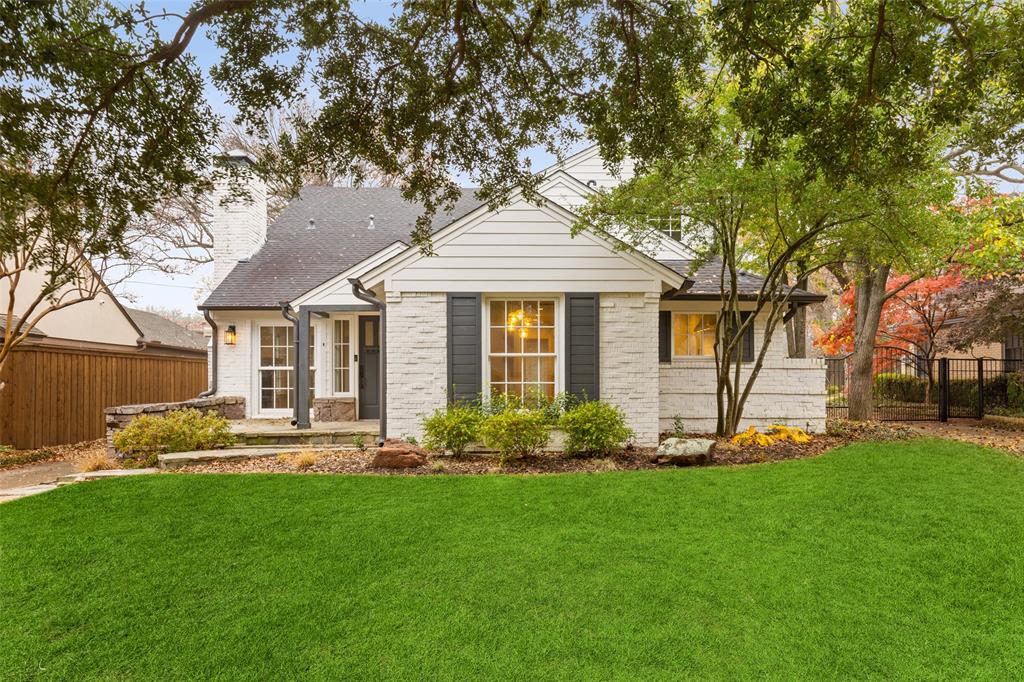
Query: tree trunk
(870, 296)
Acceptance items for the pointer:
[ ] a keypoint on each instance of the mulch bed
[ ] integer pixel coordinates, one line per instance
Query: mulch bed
(726, 453)
(15, 459)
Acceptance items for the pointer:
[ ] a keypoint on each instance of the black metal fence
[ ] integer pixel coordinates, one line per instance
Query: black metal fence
(910, 387)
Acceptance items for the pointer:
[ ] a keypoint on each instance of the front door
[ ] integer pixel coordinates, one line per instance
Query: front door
(369, 367)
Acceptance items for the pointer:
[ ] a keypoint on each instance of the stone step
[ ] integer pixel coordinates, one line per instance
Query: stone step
(304, 437)
(103, 473)
(176, 460)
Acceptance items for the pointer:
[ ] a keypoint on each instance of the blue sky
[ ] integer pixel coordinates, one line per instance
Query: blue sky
(164, 291)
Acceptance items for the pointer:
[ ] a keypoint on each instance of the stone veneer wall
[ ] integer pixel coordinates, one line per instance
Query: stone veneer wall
(417, 351)
(787, 391)
(629, 360)
(229, 407)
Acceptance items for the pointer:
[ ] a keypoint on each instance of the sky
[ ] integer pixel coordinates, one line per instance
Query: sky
(159, 290)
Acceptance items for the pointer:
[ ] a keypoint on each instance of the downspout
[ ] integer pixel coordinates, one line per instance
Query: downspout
(286, 311)
(362, 294)
(213, 355)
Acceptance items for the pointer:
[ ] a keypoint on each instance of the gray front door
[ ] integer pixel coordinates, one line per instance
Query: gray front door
(369, 367)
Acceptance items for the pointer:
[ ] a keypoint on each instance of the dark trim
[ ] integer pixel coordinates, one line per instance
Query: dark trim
(213, 356)
(360, 292)
(286, 312)
(664, 336)
(476, 302)
(302, 371)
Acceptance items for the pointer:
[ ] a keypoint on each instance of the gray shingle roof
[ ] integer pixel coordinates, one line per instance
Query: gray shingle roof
(703, 282)
(295, 259)
(156, 329)
(37, 330)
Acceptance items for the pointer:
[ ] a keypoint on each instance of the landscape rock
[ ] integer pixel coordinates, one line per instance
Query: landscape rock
(398, 454)
(685, 451)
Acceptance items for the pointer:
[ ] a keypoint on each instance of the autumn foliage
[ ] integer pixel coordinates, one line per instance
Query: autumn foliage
(912, 316)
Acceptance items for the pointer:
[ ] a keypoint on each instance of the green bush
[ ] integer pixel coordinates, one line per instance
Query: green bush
(515, 433)
(901, 388)
(179, 431)
(1015, 391)
(452, 429)
(594, 428)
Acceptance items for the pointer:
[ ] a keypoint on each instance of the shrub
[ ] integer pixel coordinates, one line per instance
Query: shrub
(901, 388)
(595, 428)
(98, 461)
(359, 442)
(1015, 391)
(305, 459)
(678, 427)
(452, 429)
(515, 433)
(752, 437)
(793, 434)
(179, 431)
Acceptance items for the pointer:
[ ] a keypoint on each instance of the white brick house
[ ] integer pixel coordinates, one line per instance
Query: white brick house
(510, 301)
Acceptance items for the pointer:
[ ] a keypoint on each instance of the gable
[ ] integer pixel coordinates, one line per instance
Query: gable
(521, 248)
(588, 167)
(338, 290)
(564, 190)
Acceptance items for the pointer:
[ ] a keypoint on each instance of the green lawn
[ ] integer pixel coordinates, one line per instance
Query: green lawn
(896, 560)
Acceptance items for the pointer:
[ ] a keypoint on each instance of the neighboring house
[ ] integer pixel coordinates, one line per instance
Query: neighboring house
(510, 301)
(86, 357)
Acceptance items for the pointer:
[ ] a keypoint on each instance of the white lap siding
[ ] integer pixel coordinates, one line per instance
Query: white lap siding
(787, 391)
(629, 360)
(417, 352)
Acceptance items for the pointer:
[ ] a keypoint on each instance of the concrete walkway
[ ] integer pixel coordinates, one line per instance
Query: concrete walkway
(40, 478)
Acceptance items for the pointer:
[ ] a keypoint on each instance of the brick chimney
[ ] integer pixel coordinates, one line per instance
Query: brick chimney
(239, 223)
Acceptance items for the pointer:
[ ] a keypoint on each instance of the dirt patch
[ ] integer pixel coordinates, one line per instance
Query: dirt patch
(972, 431)
(15, 459)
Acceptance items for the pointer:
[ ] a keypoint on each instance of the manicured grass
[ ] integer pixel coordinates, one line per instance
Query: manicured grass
(896, 560)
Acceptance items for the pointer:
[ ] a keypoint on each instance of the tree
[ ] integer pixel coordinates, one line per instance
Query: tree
(913, 317)
(992, 311)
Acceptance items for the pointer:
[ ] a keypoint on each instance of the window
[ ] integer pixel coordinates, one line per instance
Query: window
(521, 351)
(342, 356)
(277, 366)
(693, 334)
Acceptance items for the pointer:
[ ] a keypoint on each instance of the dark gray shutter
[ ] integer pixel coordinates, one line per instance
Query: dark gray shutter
(748, 339)
(664, 336)
(582, 366)
(465, 373)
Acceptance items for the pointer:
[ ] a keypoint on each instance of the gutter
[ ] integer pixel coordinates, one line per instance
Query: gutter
(286, 312)
(213, 356)
(360, 292)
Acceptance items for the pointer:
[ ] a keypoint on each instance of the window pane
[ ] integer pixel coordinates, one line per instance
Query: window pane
(530, 309)
(692, 345)
(266, 336)
(497, 313)
(514, 369)
(530, 370)
(678, 334)
(498, 340)
(546, 341)
(709, 344)
(547, 313)
(515, 343)
(266, 356)
(547, 369)
(530, 342)
(497, 370)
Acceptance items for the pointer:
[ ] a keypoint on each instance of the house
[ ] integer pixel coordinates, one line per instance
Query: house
(88, 356)
(330, 314)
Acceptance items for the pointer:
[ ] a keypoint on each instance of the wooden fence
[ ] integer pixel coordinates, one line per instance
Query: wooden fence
(53, 396)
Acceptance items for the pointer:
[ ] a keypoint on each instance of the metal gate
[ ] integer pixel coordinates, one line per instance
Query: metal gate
(909, 387)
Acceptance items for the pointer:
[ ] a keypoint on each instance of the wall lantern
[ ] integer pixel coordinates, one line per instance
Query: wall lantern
(230, 335)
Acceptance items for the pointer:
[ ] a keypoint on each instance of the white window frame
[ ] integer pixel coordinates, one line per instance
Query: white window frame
(485, 325)
(257, 347)
(672, 334)
(353, 344)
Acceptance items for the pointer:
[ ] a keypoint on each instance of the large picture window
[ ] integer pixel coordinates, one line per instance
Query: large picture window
(693, 334)
(522, 347)
(342, 356)
(277, 366)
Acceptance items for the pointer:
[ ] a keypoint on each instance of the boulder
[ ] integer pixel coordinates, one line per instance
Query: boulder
(398, 454)
(684, 451)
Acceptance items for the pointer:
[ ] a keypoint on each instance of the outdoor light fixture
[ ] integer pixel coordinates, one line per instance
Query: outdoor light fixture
(230, 335)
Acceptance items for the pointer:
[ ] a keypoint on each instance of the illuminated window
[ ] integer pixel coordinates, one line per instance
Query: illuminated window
(522, 347)
(693, 334)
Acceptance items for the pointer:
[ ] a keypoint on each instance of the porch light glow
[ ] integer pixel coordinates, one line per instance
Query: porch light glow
(230, 335)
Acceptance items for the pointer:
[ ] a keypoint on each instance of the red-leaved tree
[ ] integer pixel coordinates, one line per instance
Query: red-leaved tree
(912, 319)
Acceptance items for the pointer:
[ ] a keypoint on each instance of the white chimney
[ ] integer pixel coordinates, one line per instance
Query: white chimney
(239, 223)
